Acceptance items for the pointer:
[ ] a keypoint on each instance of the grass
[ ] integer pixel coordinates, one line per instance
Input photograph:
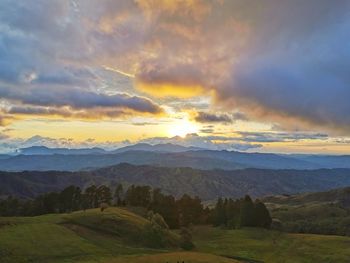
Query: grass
(93, 236)
(174, 257)
(272, 246)
(44, 242)
(89, 236)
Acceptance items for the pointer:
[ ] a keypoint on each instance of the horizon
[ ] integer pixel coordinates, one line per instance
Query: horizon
(218, 75)
(186, 148)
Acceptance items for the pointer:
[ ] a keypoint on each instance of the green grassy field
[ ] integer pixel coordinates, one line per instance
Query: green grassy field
(110, 236)
(272, 246)
(80, 236)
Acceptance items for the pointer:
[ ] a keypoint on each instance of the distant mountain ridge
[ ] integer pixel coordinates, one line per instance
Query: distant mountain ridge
(43, 150)
(168, 155)
(166, 147)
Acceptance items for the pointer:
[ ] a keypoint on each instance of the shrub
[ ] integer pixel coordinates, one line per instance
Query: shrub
(103, 206)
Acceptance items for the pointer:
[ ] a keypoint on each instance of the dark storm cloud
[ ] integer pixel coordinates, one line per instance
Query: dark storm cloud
(297, 65)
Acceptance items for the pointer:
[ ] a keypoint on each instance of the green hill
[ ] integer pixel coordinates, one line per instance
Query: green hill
(117, 235)
(261, 245)
(319, 213)
(89, 235)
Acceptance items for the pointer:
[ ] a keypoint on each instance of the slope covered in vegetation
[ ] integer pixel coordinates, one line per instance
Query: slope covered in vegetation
(318, 213)
(208, 185)
(85, 236)
(261, 245)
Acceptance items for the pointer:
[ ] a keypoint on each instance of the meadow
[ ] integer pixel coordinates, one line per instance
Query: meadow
(112, 236)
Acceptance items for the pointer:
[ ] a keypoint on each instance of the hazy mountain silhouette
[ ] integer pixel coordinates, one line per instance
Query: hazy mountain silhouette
(169, 155)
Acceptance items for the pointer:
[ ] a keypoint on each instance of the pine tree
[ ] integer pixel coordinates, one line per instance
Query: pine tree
(219, 213)
(262, 215)
(247, 213)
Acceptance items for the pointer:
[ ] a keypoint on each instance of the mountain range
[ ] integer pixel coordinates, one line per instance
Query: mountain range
(41, 158)
(166, 147)
(177, 181)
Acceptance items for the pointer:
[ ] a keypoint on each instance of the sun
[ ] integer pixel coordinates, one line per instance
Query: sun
(182, 128)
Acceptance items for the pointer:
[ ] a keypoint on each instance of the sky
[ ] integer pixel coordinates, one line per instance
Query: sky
(246, 75)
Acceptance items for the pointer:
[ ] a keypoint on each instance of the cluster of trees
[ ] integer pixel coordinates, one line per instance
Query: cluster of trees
(177, 213)
(70, 199)
(241, 212)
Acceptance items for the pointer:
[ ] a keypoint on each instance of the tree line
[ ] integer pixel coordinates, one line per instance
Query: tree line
(180, 212)
(241, 212)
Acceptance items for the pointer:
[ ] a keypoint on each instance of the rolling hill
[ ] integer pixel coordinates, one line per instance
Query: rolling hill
(109, 237)
(177, 181)
(320, 213)
(88, 236)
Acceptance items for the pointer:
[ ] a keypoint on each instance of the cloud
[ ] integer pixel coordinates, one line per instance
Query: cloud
(144, 123)
(206, 142)
(66, 101)
(3, 136)
(210, 117)
(205, 117)
(281, 136)
(42, 75)
(291, 70)
(10, 145)
(240, 141)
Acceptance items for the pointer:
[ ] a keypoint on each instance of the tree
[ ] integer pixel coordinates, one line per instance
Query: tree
(138, 196)
(166, 206)
(104, 195)
(219, 213)
(262, 215)
(70, 199)
(91, 196)
(247, 215)
(232, 213)
(156, 218)
(118, 195)
(190, 210)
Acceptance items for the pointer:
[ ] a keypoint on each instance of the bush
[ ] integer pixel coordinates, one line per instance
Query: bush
(153, 236)
(103, 206)
(186, 239)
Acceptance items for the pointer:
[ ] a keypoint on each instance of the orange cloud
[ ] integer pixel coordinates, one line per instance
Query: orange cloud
(170, 90)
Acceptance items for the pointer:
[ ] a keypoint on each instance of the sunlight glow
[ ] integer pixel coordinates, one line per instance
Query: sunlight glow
(182, 128)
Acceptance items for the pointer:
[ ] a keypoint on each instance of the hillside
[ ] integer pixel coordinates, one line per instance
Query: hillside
(115, 235)
(260, 245)
(177, 181)
(321, 213)
(340, 196)
(79, 236)
(93, 236)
